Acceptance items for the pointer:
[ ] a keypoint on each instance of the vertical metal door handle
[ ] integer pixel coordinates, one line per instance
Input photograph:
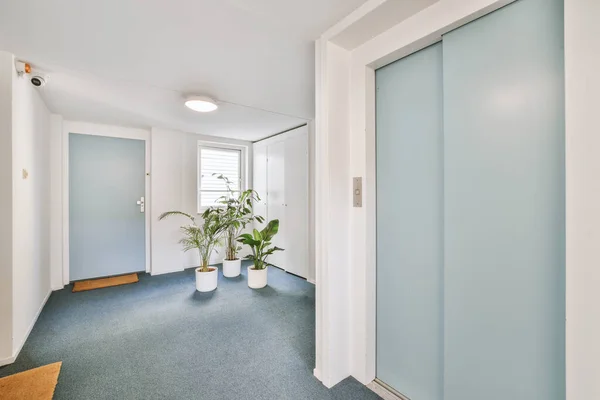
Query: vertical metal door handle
(141, 203)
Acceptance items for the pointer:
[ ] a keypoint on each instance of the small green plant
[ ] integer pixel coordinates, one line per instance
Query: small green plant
(234, 213)
(204, 237)
(259, 242)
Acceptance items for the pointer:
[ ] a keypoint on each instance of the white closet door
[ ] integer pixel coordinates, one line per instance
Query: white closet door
(260, 182)
(276, 199)
(296, 203)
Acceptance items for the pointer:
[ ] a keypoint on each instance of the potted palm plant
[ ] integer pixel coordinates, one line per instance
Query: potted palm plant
(260, 243)
(234, 212)
(204, 238)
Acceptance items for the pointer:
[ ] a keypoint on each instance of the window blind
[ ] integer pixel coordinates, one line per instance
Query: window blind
(214, 162)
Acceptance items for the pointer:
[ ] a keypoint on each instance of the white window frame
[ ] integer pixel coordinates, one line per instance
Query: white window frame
(221, 146)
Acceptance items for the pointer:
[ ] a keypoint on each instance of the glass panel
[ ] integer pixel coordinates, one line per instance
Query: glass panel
(410, 225)
(505, 205)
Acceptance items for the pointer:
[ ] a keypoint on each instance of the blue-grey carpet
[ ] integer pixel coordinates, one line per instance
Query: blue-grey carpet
(160, 339)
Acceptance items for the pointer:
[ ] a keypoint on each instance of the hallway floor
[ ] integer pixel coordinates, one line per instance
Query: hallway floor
(160, 339)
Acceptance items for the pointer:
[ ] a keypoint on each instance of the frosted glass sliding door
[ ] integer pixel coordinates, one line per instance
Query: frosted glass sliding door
(410, 224)
(505, 205)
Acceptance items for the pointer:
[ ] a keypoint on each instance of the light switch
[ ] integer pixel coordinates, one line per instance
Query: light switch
(357, 191)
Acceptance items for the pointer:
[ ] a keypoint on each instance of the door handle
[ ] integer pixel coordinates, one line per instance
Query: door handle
(142, 205)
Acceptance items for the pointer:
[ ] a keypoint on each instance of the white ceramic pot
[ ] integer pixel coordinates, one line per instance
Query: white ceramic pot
(207, 281)
(232, 268)
(257, 278)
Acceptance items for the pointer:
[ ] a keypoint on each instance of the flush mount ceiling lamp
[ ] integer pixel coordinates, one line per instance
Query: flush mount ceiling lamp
(201, 103)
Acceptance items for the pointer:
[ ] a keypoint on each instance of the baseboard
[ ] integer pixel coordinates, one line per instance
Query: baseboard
(385, 392)
(313, 281)
(326, 381)
(39, 311)
(6, 361)
(165, 272)
(180, 269)
(317, 373)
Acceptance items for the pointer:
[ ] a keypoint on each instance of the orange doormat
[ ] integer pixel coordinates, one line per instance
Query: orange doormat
(37, 383)
(100, 283)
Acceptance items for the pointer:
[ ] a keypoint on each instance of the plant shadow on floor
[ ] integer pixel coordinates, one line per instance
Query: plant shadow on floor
(238, 278)
(203, 296)
(267, 291)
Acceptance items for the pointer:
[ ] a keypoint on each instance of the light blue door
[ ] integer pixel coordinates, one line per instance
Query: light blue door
(505, 205)
(410, 225)
(106, 225)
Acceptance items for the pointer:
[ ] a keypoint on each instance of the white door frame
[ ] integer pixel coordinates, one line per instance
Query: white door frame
(345, 148)
(86, 128)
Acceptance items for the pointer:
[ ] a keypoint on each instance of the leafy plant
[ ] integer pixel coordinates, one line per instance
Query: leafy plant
(203, 237)
(234, 213)
(259, 242)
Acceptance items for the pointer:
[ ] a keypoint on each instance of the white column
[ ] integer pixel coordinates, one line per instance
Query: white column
(582, 69)
(333, 202)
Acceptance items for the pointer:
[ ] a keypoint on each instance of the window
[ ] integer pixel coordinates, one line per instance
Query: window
(214, 161)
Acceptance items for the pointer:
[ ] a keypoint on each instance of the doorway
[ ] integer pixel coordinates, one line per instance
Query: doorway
(107, 227)
(471, 211)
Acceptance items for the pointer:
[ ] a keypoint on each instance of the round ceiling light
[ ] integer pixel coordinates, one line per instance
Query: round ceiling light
(201, 104)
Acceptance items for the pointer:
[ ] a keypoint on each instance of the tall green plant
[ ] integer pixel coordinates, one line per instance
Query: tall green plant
(259, 242)
(204, 237)
(234, 211)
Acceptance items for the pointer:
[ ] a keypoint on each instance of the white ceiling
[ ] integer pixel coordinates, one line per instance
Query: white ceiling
(130, 62)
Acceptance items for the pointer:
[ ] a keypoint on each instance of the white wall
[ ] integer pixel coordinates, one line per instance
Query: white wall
(582, 63)
(6, 198)
(31, 210)
(24, 208)
(172, 185)
(174, 177)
